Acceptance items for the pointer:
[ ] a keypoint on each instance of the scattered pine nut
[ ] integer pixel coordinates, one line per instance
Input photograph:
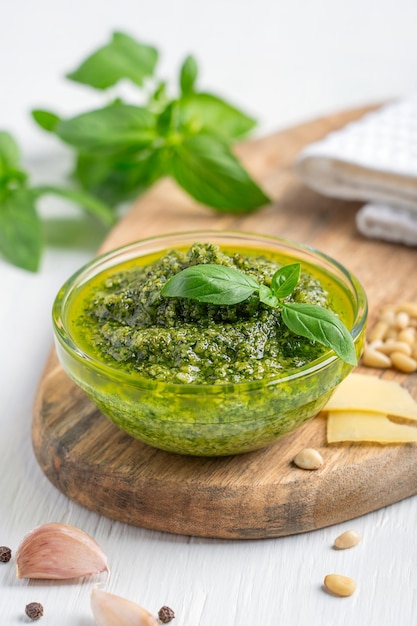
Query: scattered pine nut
(410, 308)
(375, 358)
(395, 333)
(392, 333)
(348, 539)
(378, 331)
(402, 320)
(339, 585)
(403, 362)
(395, 346)
(408, 335)
(308, 459)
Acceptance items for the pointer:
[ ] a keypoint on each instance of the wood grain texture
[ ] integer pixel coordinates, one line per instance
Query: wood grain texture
(259, 494)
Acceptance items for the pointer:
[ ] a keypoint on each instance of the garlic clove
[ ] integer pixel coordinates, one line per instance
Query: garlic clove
(59, 551)
(111, 610)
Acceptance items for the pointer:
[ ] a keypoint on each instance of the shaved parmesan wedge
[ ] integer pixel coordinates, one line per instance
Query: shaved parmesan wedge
(365, 426)
(369, 393)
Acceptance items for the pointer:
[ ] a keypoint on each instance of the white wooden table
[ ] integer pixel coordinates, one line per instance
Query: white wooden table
(231, 583)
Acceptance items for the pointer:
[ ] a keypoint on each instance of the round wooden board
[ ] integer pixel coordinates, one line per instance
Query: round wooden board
(259, 494)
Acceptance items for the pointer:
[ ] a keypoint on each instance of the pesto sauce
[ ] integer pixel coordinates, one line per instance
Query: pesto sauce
(122, 319)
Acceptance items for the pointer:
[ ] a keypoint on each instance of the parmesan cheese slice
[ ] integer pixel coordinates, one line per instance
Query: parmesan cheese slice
(369, 393)
(371, 427)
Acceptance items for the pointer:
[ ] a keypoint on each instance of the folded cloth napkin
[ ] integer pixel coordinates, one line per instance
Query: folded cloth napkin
(373, 159)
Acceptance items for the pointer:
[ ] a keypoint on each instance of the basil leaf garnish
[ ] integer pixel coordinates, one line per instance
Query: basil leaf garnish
(214, 284)
(267, 297)
(285, 280)
(221, 285)
(319, 324)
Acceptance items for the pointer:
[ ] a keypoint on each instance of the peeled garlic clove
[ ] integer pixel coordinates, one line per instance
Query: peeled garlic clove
(111, 610)
(59, 551)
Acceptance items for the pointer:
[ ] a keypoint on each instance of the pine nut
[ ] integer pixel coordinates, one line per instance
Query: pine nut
(391, 346)
(375, 345)
(388, 316)
(395, 332)
(348, 539)
(340, 585)
(402, 320)
(408, 335)
(378, 331)
(392, 333)
(374, 358)
(308, 459)
(408, 307)
(403, 362)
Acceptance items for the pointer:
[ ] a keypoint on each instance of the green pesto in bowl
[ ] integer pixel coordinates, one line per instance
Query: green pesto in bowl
(198, 378)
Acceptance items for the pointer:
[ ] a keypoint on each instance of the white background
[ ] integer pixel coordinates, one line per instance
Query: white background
(284, 61)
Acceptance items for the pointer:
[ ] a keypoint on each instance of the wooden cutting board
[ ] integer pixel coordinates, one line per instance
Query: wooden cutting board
(259, 494)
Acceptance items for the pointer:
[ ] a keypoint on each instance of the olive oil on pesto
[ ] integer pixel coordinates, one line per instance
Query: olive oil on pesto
(121, 318)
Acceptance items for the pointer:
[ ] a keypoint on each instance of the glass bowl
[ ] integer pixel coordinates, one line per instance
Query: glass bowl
(210, 419)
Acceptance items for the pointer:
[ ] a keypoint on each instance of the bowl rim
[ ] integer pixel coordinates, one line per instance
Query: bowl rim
(106, 259)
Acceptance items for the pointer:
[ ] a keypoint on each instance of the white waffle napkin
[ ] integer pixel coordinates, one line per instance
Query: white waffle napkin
(374, 160)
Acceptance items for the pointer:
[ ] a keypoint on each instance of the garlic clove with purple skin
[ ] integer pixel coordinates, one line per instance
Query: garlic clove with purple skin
(59, 551)
(111, 610)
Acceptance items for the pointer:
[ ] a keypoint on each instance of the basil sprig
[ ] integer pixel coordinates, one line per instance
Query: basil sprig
(219, 284)
(123, 147)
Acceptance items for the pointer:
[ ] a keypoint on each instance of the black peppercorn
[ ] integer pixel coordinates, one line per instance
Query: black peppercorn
(166, 614)
(5, 554)
(34, 610)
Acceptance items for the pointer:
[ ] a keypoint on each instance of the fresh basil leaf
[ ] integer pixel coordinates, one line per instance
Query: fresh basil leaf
(109, 130)
(46, 119)
(21, 238)
(119, 178)
(9, 153)
(92, 169)
(204, 111)
(319, 324)
(12, 179)
(267, 297)
(214, 284)
(188, 75)
(168, 119)
(285, 280)
(89, 203)
(206, 168)
(159, 99)
(122, 58)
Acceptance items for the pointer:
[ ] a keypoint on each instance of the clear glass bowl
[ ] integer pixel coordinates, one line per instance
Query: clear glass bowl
(210, 419)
